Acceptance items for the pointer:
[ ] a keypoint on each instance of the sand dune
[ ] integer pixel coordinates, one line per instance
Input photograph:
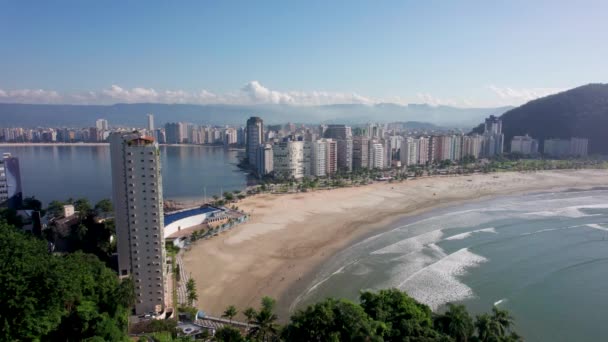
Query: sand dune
(290, 235)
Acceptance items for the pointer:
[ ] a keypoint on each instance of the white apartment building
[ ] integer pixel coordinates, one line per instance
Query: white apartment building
(376, 156)
(264, 164)
(472, 145)
(101, 124)
(138, 212)
(315, 158)
(524, 144)
(409, 152)
(423, 150)
(288, 159)
(579, 147)
(150, 122)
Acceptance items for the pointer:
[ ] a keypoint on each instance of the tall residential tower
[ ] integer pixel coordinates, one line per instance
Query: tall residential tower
(138, 212)
(255, 137)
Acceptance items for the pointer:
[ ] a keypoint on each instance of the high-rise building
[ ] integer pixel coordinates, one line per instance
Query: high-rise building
(315, 158)
(288, 159)
(173, 133)
(150, 122)
(472, 145)
(376, 151)
(338, 132)
(101, 124)
(138, 213)
(345, 154)
(493, 142)
(331, 161)
(524, 145)
(265, 160)
(11, 194)
(255, 137)
(423, 150)
(360, 153)
(578, 147)
(409, 152)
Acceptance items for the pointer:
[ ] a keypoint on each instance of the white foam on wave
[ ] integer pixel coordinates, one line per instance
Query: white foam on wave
(468, 234)
(596, 226)
(500, 301)
(548, 230)
(413, 244)
(572, 211)
(437, 283)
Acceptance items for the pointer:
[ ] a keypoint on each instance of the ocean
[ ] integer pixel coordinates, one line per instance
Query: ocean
(543, 257)
(60, 172)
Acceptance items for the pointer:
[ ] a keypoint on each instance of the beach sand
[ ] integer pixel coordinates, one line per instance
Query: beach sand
(289, 236)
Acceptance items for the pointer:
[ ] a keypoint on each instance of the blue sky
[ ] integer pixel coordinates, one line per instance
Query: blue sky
(465, 53)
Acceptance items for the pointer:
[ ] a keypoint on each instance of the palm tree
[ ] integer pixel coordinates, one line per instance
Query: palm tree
(250, 314)
(230, 312)
(265, 328)
(502, 320)
(458, 323)
(484, 327)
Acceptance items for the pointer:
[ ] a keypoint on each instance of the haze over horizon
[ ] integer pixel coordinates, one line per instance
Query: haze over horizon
(324, 53)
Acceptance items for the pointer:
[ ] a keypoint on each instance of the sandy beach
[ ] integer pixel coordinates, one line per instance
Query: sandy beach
(289, 236)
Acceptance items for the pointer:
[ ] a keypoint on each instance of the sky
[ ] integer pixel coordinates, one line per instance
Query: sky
(460, 53)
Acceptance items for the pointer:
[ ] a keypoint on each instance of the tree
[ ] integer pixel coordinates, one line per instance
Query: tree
(228, 196)
(265, 327)
(333, 320)
(228, 334)
(83, 207)
(230, 312)
(191, 291)
(503, 321)
(104, 207)
(403, 315)
(456, 322)
(31, 203)
(55, 209)
(250, 314)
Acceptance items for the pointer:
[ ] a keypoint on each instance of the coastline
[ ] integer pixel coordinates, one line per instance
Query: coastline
(290, 236)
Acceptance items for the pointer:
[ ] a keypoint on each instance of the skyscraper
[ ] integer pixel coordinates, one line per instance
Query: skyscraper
(288, 159)
(11, 194)
(360, 153)
(173, 133)
(255, 137)
(150, 122)
(338, 132)
(101, 124)
(138, 213)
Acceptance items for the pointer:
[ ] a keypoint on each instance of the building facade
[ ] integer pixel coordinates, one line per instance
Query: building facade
(11, 194)
(265, 160)
(138, 213)
(524, 145)
(360, 153)
(254, 137)
(288, 159)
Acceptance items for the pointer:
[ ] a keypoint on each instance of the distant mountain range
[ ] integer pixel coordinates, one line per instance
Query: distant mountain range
(579, 112)
(133, 115)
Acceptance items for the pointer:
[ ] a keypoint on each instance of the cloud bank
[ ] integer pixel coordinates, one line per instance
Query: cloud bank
(255, 93)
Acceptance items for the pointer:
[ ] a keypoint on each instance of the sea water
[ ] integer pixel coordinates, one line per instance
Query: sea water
(543, 257)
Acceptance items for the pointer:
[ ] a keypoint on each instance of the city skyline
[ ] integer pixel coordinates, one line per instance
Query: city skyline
(229, 53)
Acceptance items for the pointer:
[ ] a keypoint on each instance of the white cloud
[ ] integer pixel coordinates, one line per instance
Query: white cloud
(522, 95)
(255, 93)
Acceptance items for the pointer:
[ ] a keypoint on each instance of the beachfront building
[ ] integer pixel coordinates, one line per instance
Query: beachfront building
(138, 213)
(288, 159)
(254, 137)
(409, 152)
(493, 139)
(315, 158)
(524, 145)
(471, 145)
(331, 161)
(423, 150)
(360, 153)
(574, 147)
(376, 155)
(345, 154)
(173, 133)
(11, 195)
(264, 164)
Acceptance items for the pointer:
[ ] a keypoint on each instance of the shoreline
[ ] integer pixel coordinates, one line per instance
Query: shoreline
(287, 240)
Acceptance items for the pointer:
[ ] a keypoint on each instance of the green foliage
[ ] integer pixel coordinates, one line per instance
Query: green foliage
(228, 334)
(104, 207)
(55, 209)
(230, 312)
(191, 291)
(264, 321)
(333, 320)
(47, 297)
(456, 322)
(10, 216)
(31, 203)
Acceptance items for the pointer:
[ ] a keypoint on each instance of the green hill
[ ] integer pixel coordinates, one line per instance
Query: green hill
(579, 112)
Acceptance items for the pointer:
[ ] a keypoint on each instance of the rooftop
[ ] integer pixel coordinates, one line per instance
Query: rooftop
(178, 215)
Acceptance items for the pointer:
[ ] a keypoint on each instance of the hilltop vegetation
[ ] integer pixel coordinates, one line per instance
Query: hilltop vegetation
(579, 112)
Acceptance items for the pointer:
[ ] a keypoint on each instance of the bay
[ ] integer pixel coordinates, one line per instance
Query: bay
(80, 171)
